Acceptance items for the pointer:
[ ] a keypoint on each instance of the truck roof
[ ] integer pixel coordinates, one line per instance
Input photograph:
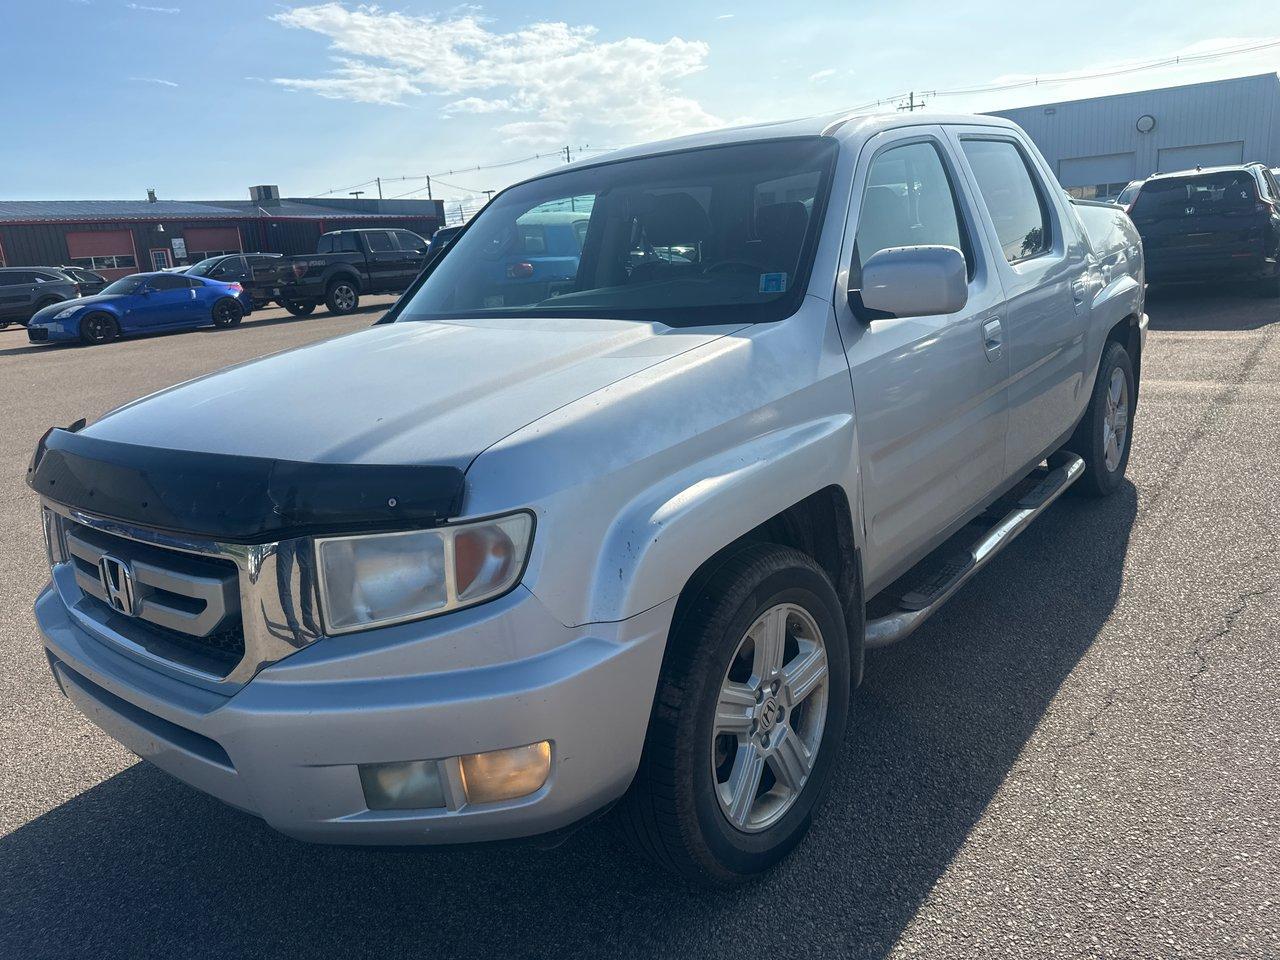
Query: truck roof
(843, 126)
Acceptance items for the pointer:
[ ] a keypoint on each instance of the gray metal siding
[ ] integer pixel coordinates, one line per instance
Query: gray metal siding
(1246, 109)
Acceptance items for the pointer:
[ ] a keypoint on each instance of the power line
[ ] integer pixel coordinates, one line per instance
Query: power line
(1069, 78)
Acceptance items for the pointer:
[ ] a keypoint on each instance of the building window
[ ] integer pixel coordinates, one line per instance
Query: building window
(195, 256)
(1097, 191)
(121, 262)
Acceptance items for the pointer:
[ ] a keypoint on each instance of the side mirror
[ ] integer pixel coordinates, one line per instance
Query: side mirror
(915, 281)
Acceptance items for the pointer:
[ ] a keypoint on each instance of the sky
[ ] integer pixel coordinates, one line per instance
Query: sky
(106, 98)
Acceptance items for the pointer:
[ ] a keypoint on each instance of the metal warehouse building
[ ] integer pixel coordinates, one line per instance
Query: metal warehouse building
(1097, 146)
(119, 237)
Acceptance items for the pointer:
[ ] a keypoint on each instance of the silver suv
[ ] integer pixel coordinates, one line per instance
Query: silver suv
(529, 550)
(26, 290)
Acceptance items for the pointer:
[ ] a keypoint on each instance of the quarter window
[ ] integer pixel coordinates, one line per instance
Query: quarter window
(1013, 198)
(908, 202)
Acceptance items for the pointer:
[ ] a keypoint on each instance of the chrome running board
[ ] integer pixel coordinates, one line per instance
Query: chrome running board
(1064, 470)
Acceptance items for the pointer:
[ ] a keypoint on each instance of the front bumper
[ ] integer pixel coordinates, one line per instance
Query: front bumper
(286, 745)
(53, 331)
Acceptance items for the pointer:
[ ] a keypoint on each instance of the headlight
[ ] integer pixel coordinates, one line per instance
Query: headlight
(66, 313)
(379, 579)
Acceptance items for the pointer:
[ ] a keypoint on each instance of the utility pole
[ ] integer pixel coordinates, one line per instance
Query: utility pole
(429, 196)
(357, 193)
(488, 195)
(567, 158)
(912, 104)
(379, 179)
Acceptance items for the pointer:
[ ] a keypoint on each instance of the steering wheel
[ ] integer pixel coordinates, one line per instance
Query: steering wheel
(734, 266)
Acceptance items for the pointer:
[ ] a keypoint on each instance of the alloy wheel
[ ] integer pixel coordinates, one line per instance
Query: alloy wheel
(770, 715)
(1115, 420)
(344, 297)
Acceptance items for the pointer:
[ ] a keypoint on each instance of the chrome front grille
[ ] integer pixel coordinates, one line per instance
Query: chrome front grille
(215, 613)
(188, 594)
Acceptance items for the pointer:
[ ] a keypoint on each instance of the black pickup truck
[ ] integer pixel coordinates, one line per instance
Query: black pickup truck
(346, 264)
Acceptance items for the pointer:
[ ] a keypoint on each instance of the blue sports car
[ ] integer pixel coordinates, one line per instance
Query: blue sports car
(142, 303)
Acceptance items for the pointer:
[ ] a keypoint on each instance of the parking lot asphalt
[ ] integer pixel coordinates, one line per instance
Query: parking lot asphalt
(1078, 757)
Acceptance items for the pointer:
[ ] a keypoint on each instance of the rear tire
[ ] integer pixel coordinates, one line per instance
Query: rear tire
(747, 721)
(1105, 433)
(227, 313)
(299, 308)
(99, 328)
(341, 297)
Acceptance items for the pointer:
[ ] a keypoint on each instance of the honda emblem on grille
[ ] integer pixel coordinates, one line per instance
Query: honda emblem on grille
(117, 581)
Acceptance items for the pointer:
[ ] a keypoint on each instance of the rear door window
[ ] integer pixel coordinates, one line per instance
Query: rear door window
(379, 241)
(347, 243)
(1012, 196)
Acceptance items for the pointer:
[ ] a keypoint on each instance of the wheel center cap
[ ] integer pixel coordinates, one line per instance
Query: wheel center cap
(770, 710)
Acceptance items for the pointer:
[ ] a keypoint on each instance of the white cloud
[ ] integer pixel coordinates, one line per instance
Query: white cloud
(143, 8)
(156, 80)
(821, 76)
(556, 80)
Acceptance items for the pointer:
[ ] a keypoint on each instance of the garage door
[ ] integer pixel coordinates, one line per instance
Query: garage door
(1201, 155)
(1111, 168)
(108, 252)
(210, 241)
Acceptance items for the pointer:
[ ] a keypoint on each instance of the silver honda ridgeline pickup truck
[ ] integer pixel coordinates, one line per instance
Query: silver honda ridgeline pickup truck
(607, 522)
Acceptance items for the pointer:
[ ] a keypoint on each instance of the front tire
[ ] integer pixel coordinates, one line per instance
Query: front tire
(342, 297)
(298, 308)
(1104, 435)
(227, 313)
(748, 719)
(99, 328)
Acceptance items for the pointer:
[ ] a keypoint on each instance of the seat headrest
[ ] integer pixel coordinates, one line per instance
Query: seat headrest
(675, 218)
(782, 221)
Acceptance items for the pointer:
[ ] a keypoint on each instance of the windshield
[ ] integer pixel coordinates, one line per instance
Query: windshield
(715, 235)
(202, 268)
(126, 285)
(1231, 191)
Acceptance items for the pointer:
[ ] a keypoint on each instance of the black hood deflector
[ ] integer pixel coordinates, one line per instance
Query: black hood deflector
(238, 499)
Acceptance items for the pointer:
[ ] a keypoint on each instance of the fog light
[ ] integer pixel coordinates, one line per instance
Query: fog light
(412, 785)
(506, 774)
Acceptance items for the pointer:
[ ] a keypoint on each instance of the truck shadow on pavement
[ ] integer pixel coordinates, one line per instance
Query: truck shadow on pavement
(1216, 307)
(141, 865)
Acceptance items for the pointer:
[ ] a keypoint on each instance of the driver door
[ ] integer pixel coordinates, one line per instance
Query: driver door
(169, 301)
(931, 393)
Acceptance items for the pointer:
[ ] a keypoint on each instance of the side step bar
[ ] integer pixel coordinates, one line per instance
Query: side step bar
(1064, 470)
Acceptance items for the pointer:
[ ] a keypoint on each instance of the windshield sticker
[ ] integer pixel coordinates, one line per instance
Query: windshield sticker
(491, 302)
(773, 283)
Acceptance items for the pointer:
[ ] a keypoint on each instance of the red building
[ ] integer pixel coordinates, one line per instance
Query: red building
(119, 237)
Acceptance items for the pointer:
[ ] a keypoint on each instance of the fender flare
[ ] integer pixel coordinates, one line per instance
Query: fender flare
(657, 543)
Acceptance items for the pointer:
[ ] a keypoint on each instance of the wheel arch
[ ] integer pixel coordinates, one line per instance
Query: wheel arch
(1128, 334)
(821, 527)
(339, 274)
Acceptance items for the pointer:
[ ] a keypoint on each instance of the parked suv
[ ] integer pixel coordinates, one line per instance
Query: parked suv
(487, 569)
(86, 281)
(26, 290)
(241, 268)
(1216, 223)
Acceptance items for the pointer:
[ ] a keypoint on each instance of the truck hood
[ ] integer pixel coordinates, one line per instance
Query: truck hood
(417, 392)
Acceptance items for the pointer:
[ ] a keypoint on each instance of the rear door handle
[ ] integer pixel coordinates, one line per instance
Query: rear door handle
(993, 338)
